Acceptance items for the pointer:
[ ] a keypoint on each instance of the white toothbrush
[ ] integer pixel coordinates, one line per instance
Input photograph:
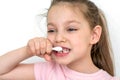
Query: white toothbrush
(57, 48)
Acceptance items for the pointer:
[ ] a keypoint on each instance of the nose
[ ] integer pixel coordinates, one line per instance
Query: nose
(60, 37)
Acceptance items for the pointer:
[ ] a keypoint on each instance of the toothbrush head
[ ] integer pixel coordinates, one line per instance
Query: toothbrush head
(57, 48)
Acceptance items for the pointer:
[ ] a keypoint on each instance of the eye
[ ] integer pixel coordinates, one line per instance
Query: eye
(51, 31)
(71, 29)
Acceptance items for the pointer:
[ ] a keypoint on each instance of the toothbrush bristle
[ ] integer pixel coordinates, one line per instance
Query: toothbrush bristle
(57, 48)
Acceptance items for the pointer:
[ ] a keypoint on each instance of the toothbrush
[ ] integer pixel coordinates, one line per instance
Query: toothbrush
(57, 48)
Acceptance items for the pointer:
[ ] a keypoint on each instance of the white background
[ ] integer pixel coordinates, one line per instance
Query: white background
(18, 24)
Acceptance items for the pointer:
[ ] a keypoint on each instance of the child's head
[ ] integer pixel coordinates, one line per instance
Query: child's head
(94, 19)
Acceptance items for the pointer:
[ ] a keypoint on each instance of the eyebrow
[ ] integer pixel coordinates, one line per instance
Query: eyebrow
(67, 22)
(50, 24)
(72, 21)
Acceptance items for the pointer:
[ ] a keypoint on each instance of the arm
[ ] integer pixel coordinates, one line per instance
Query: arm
(9, 63)
(11, 59)
(10, 67)
(20, 72)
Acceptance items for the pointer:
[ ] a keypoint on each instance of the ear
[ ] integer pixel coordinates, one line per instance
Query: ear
(96, 33)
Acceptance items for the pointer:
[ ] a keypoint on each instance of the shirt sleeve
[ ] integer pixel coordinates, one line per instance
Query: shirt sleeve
(42, 69)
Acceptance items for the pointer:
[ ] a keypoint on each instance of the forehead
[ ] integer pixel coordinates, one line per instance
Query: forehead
(64, 10)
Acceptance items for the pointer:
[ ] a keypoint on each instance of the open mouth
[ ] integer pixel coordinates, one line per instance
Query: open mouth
(65, 51)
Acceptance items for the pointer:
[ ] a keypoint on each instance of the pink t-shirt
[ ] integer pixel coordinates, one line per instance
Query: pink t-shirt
(54, 71)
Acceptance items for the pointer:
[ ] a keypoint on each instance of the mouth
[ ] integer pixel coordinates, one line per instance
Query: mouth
(65, 51)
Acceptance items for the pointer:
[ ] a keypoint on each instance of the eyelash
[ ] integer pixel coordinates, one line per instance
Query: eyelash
(51, 31)
(69, 30)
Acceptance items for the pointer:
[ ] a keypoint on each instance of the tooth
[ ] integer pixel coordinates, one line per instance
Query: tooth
(60, 52)
(65, 51)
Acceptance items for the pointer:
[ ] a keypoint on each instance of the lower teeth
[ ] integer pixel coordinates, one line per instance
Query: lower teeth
(60, 52)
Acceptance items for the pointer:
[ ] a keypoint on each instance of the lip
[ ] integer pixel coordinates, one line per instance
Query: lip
(60, 54)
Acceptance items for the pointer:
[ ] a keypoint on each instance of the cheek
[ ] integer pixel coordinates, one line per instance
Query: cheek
(51, 38)
(80, 41)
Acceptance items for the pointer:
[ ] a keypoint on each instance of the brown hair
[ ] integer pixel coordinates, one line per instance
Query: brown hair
(101, 51)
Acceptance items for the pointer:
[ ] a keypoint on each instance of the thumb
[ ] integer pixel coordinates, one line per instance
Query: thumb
(47, 57)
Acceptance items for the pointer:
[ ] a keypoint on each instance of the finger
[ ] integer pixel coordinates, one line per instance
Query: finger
(37, 46)
(48, 47)
(47, 57)
(31, 47)
(43, 46)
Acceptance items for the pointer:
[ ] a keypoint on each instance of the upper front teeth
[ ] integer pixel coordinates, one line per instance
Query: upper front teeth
(64, 51)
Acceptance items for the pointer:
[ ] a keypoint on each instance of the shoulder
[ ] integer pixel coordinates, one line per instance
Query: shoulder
(107, 76)
(115, 78)
(44, 65)
(44, 70)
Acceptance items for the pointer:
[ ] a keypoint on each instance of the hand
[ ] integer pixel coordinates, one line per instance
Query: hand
(40, 47)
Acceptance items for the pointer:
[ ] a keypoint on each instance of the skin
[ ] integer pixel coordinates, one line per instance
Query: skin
(69, 29)
(61, 19)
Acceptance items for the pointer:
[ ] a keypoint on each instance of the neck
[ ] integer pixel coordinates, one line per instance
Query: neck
(83, 66)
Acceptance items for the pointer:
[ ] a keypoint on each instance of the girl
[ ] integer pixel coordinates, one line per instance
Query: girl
(77, 26)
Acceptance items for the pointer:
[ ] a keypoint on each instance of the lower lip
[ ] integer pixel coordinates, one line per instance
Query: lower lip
(60, 54)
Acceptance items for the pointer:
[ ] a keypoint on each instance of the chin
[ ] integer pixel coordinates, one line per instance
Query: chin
(63, 61)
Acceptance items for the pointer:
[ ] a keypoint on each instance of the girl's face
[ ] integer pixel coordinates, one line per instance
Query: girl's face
(68, 28)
